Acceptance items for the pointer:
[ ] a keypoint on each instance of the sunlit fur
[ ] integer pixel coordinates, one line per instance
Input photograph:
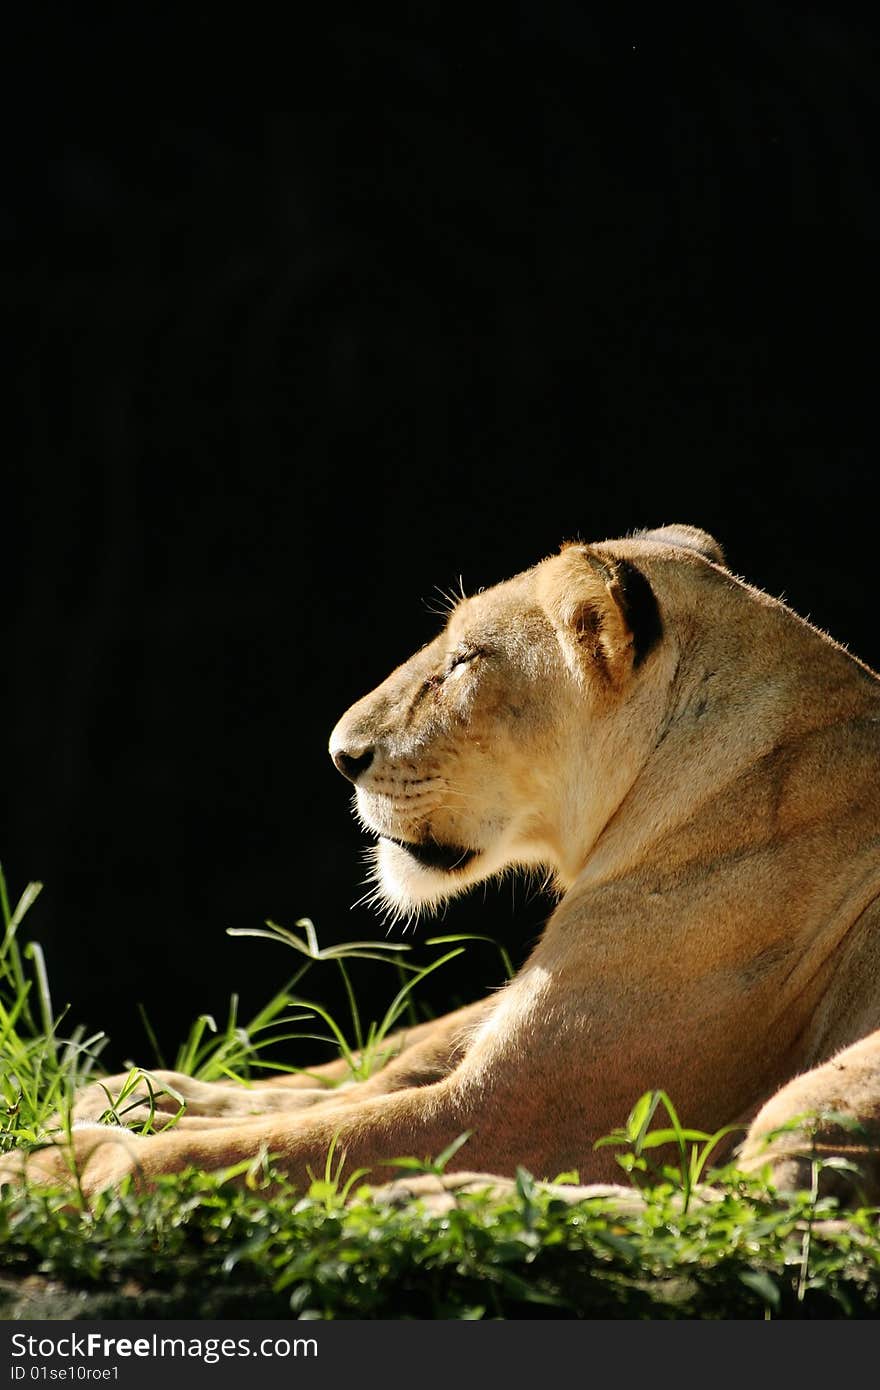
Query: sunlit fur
(698, 771)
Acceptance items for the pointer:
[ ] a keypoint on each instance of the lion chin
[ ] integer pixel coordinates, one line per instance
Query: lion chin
(417, 876)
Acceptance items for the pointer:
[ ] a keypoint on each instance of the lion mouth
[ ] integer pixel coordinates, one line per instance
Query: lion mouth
(432, 855)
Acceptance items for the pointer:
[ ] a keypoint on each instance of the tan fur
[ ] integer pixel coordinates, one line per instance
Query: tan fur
(709, 810)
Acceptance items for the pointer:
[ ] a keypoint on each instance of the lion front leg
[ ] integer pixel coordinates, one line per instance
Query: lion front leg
(409, 1057)
(164, 1096)
(829, 1114)
(369, 1134)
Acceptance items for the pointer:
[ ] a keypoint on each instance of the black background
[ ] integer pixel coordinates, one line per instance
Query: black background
(282, 372)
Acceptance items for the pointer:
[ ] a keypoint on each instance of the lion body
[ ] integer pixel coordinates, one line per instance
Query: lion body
(699, 771)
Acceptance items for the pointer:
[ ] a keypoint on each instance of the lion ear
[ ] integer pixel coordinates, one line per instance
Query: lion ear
(690, 537)
(604, 610)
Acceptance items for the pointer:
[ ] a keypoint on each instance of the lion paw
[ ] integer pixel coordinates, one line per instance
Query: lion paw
(95, 1156)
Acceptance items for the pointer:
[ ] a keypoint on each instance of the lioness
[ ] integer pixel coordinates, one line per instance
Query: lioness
(699, 769)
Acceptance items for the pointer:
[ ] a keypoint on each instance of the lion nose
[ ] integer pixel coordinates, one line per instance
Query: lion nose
(351, 765)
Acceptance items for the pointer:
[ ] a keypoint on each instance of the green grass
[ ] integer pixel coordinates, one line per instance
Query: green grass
(246, 1244)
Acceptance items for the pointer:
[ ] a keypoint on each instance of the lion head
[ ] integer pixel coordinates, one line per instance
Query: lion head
(510, 739)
